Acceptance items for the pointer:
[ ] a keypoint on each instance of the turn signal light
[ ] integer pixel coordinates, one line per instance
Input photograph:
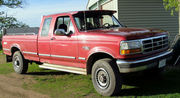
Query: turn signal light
(130, 51)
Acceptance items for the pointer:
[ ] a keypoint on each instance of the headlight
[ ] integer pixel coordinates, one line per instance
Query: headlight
(130, 47)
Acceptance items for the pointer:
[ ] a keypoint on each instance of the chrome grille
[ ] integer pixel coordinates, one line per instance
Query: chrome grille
(155, 43)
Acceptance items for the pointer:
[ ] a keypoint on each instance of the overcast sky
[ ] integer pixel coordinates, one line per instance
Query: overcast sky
(33, 10)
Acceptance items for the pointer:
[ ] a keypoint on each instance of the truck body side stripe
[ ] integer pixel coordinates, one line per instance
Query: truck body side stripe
(30, 52)
(44, 55)
(6, 49)
(57, 56)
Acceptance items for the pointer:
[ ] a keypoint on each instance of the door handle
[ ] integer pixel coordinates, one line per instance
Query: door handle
(53, 38)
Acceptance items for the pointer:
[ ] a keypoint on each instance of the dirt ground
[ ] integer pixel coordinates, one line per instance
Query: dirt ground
(11, 87)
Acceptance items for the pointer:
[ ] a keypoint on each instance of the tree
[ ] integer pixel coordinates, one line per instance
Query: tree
(9, 21)
(11, 3)
(172, 5)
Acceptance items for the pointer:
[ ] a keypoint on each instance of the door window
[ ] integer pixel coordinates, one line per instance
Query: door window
(71, 27)
(64, 22)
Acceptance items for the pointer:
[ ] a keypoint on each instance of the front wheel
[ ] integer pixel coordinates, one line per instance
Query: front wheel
(106, 77)
(19, 63)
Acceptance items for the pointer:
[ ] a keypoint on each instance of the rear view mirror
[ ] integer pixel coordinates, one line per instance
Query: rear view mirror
(60, 32)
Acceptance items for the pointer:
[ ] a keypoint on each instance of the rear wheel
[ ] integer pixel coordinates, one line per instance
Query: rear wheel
(106, 77)
(19, 63)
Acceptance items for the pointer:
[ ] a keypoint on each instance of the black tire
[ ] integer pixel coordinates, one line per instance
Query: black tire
(19, 63)
(106, 77)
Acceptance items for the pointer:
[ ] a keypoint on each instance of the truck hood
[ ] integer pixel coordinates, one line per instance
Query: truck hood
(130, 33)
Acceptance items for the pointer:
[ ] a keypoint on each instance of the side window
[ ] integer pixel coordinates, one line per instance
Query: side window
(46, 26)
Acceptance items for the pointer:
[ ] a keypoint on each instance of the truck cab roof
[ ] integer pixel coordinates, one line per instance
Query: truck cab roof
(84, 11)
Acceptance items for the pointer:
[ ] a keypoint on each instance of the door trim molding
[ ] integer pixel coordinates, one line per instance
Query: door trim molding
(30, 52)
(44, 55)
(60, 56)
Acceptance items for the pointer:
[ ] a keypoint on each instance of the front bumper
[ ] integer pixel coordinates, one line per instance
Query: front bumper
(127, 66)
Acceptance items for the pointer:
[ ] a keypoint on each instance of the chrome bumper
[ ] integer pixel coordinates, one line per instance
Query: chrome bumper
(127, 66)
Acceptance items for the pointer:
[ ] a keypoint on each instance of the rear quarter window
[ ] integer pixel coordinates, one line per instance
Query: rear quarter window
(46, 26)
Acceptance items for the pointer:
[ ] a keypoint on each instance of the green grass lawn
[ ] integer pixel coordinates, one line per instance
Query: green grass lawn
(6, 68)
(1, 51)
(60, 84)
(71, 85)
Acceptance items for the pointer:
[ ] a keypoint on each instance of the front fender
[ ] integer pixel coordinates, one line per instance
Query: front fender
(101, 50)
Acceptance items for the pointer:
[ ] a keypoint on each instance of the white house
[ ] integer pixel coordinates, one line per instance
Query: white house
(140, 13)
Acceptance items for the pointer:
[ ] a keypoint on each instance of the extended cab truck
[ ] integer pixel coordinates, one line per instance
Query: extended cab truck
(89, 42)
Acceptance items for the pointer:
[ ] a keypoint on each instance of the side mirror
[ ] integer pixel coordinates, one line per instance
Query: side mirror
(60, 32)
(69, 33)
(3, 31)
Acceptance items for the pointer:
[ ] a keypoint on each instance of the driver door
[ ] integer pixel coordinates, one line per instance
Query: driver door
(63, 47)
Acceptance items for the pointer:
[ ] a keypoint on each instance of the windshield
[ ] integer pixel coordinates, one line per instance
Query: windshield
(96, 21)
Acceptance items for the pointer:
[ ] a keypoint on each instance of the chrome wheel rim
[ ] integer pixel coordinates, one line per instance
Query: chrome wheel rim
(102, 78)
(16, 62)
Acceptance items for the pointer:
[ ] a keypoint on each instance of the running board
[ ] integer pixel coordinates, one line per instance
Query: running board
(64, 68)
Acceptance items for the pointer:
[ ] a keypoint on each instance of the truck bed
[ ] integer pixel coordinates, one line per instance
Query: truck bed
(26, 41)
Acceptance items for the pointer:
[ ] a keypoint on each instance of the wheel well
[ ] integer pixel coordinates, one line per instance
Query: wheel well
(9, 57)
(93, 58)
(13, 50)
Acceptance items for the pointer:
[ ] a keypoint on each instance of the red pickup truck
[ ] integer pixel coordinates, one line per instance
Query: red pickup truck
(89, 42)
